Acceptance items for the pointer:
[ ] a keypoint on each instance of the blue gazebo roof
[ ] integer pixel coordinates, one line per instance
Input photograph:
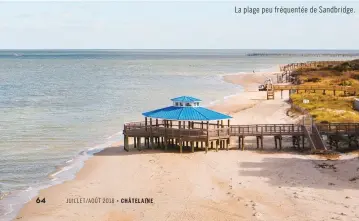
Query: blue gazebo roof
(186, 113)
(185, 99)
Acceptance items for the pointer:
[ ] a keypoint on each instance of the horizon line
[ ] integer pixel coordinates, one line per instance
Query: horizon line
(109, 49)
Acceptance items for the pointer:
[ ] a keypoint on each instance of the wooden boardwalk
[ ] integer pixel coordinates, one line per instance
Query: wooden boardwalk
(309, 64)
(349, 91)
(339, 128)
(218, 135)
(314, 88)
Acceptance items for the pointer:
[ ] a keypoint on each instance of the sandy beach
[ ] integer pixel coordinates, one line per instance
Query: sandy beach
(225, 185)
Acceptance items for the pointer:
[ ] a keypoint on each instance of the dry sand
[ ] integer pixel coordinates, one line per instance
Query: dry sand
(225, 185)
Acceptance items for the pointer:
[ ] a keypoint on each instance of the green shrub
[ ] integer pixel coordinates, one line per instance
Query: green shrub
(345, 83)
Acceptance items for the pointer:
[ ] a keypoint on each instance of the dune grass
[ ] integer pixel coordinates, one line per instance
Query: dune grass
(328, 107)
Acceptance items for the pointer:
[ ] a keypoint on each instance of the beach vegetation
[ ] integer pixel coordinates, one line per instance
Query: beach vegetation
(329, 107)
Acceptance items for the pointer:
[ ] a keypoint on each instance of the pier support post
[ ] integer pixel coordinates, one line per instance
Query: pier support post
(151, 137)
(259, 142)
(126, 143)
(180, 143)
(192, 146)
(206, 146)
(145, 123)
(135, 142)
(242, 143)
(280, 142)
(166, 143)
(216, 142)
(152, 144)
(139, 143)
(303, 142)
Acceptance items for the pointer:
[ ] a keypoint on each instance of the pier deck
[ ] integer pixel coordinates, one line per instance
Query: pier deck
(217, 134)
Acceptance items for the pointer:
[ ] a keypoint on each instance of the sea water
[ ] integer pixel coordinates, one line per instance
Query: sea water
(59, 107)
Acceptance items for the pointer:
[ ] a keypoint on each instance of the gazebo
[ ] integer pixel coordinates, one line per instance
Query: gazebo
(184, 123)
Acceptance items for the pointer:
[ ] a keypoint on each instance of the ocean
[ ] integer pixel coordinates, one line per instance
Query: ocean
(58, 107)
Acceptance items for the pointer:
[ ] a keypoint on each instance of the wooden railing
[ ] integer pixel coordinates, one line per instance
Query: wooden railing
(309, 64)
(175, 124)
(175, 132)
(219, 132)
(266, 129)
(140, 124)
(345, 128)
(140, 129)
(308, 87)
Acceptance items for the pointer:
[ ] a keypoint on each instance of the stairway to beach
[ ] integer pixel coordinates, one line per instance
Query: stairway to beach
(270, 94)
(315, 139)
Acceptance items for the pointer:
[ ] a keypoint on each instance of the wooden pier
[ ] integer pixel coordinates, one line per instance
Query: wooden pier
(206, 135)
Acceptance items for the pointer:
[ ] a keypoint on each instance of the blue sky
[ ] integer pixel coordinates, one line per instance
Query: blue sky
(171, 25)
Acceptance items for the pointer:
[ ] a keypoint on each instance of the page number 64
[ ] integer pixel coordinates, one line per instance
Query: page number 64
(38, 200)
